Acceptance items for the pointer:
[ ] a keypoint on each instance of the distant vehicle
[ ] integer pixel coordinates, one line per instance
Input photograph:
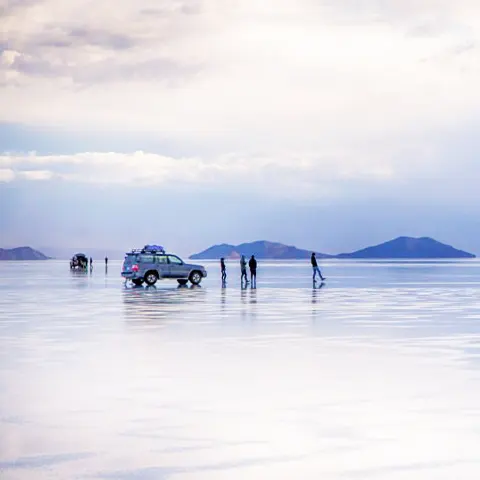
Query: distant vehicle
(79, 262)
(152, 263)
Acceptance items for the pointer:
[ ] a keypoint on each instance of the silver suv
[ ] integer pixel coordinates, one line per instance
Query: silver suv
(152, 263)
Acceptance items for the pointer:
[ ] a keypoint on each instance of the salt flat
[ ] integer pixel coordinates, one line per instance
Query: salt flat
(374, 375)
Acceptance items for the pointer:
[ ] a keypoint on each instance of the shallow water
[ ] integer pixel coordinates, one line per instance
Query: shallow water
(374, 375)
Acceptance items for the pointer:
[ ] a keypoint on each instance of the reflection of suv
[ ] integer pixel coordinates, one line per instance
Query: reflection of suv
(152, 263)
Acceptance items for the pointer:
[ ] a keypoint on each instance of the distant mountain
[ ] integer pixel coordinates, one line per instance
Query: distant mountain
(21, 253)
(217, 251)
(408, 247)
(261, 249)
(401, 247)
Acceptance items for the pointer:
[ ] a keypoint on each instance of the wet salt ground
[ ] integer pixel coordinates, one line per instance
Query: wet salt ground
(375, 375)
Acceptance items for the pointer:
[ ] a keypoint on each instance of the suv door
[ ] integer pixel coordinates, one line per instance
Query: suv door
(162, 265)
(177, 267)
(146, 262)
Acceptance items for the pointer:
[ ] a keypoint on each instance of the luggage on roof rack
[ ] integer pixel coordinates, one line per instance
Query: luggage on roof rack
(154, 248)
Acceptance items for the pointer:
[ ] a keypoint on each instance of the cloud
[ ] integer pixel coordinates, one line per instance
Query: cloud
(9, 6)
(300, 175)
(364, 110)
(49, 41)
(81, 36)
(36, 175)
(283, 72)
(6, 175)
(422, 172)
(316, 99)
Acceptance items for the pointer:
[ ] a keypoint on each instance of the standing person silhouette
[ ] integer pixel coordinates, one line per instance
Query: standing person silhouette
(243, 269)
(313, 261)
(224, 270)
(106, 261)
(91, 263)
(253, 271)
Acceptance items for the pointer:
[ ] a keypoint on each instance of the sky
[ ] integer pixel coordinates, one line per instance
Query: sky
(327, 124)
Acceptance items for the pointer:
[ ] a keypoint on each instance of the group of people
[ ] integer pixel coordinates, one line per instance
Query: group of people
(252, 264)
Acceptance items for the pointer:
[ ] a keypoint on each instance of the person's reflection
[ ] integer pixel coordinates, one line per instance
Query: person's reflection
(243, 300)
(223, 298)
(315, 290)
(253, 305)
(243, 295)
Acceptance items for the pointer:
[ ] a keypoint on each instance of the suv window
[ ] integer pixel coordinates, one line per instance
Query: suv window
(146, 258)
(175, 260)
(162, 259)
(129, 259)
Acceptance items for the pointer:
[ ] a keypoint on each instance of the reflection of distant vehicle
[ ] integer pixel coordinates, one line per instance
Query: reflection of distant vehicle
(79, 262)
(152, 263)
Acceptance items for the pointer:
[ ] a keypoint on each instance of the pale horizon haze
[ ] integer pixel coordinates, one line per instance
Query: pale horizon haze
(329, 125)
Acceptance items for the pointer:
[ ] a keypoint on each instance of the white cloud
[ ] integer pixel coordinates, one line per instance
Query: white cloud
(6, 175)
(319, 97)
(284, 73)
(343, 173)
(36, 175)
(298, 176)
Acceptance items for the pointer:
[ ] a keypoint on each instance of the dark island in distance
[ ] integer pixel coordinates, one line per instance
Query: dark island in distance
(408, 247)
(261, 249)
(399, 248)
(21, 253)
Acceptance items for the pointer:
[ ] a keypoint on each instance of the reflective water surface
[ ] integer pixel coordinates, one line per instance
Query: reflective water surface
(375, 374)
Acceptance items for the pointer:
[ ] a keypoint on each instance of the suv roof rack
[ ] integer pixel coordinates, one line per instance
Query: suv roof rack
(149, 249)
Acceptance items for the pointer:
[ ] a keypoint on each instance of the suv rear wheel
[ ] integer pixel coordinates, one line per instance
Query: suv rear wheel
(151, 277)
(195, 277)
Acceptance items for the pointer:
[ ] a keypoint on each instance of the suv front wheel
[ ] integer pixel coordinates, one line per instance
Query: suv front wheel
(151, 278)
(195, 277)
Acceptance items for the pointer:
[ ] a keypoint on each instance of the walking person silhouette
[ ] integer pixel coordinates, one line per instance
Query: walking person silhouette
(243, 269)
(224, 270)
(253, 271)
(313, 261)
